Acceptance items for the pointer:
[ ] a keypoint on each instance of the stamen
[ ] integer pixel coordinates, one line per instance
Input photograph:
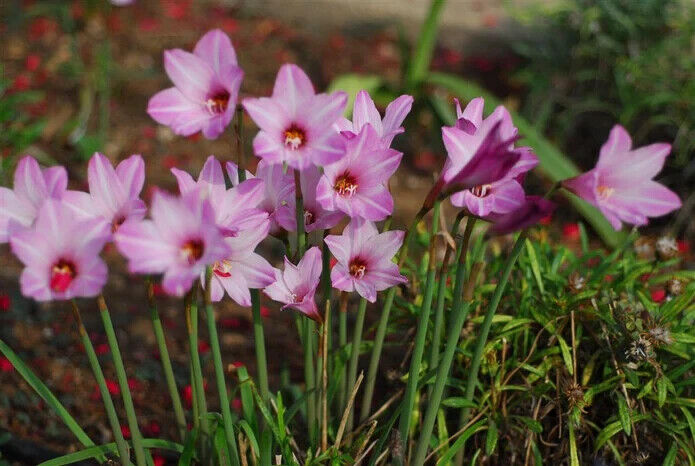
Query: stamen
(345, 185)
(117, 222)
(295, 137)
(481, 191)
(192, 251)
(217, 104)
(62, 274)
(604, 192)
(358, 268)
(222, 269)
(308, 217)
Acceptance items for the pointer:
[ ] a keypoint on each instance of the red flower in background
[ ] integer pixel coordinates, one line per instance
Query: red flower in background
(5, 302)
(5, 365)
(570, 231)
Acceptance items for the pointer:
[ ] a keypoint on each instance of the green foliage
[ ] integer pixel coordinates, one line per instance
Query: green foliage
(592, 63)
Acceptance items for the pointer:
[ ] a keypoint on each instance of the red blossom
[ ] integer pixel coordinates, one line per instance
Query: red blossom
(158, 460)
(21, 83)
(125, 430)
(571, 231)
(203, 347)
(5, 365)
(187, 393)
(658, 295)
(236, 404)
(101, 349)
(265, 312)
(134, 385)
(230, 323)
(153, 429)
(5, 302)
(32, 62)
(112, 387)
(683, 246)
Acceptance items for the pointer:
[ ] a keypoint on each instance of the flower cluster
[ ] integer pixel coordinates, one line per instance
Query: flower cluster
(340, 169)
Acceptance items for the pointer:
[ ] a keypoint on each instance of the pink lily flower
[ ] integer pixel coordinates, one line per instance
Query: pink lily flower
(243, 226)
(621, 184)
(365, 258)
(365, 112)
(61, 254)
(295, 287)
(278, 194)
(499, 197)
(356, 184)
(315, 216)
(207, 84)
(114, 194)
(180, 241)
(32, 186)
(296, 124)
(532, 210)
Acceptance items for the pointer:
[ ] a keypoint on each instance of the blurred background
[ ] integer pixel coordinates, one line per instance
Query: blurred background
(76, 77)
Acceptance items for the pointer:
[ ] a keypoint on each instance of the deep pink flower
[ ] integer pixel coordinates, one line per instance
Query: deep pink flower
(365, 112)
(61, 254)
(243, 226)
(114, 194)
(315, 216)
(480, 151)
(531, 212)
(356, 184)
(295, 287)
(32, 186)
(621, 184)
(296, 124)
(206, 84)
(365, 259)
(180, 241)
(278, 192)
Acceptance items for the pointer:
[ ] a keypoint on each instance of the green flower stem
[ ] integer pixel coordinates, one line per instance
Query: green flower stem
(459, 313)
(342, 342)
(441, 299)
(121, 444)
(219, 372)
(259, 341)
(382, 326)
(299, 215)
(309, 378)
(191, 306)
(166, 363)
(420, 336)
(122, 378)
(354, 356)
(487, 323)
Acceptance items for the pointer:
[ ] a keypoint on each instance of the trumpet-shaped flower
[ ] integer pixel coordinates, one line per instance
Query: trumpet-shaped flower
(278, 194)
(206, 86)
(356, 184)
(315, 216)
(61, 254)
(114, 194)
(180, 241)
(365, 258)
(621, 183)
(295, 287)
(243, 226)
(32, 186)
(531, 211)
(365, 112)
(500, 197)
(296, 124)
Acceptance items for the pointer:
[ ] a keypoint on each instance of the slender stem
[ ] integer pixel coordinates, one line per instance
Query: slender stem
(382, 326)
(487, 322)
(219, 372)
(460, 311)
(441, 300)
(342, 342)
(166, 363)
(420, 336)
(299, 215)
(259, 341)
(122, 378)
(309, 378)
(191, 305)
(121, 444)
(355, 354)
(239, 139)
(324, 376)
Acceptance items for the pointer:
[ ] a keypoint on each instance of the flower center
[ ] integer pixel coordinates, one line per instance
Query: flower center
(481, 191)
(217, 103)
(192, 251)
(604, 192)
(358, 268)
(222, 269)
(62, 274)
(117, 222)
(295, 137)
(345, 185)
(296, 298)
(308, 217)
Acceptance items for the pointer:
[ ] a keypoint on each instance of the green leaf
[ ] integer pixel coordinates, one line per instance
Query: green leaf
(690, 419)
(491, 438)
(613, 428)
(458, 402)
(670, 458)
(566, 355)
(251, 436)
(45, 393)
(461, 441)
(574, 458)
(188, 448)
(661, 391)
(553, 163)
(97, 450)
(352, 83)
(535, 268)
(419, 64)
(624, 414)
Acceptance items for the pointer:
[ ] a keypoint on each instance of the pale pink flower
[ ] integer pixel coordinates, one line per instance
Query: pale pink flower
(621, 184)
(32, 186)
(295, 287)
(61, 254)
